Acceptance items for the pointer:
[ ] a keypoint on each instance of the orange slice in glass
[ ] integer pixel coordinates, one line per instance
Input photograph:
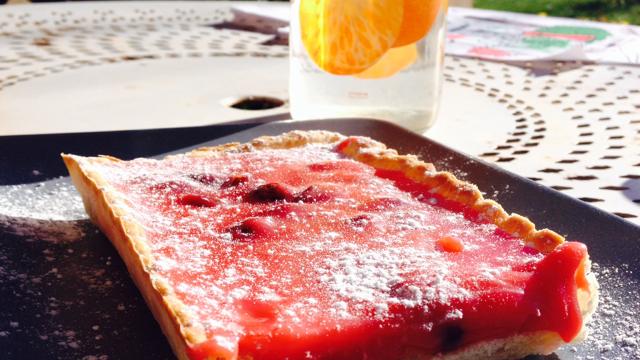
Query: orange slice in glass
(346, 37)
(393, 61)
(418, 17)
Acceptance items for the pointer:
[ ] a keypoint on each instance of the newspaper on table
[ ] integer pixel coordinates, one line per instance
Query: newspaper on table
(509, 36)
(501, 36)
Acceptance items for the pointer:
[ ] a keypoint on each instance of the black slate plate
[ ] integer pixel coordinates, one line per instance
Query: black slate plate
(74, 299)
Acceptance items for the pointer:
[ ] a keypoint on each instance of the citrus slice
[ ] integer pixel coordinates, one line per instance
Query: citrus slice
(347, 37)
(393, 61)
(418, 17)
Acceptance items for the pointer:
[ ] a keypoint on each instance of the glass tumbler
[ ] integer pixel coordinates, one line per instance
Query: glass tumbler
(367, 58)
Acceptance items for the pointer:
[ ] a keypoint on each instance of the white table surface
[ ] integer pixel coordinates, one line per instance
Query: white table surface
(110, 66)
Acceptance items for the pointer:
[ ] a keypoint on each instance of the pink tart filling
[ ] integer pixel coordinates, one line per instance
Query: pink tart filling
(303, 253)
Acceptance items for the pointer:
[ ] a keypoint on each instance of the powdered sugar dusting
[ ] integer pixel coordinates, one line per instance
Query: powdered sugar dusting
(50, 211)
(378, 277)
(61, 282)
(49, 200)
(614, 332)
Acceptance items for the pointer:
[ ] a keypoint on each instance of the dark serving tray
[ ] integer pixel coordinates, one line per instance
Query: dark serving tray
(73, 298)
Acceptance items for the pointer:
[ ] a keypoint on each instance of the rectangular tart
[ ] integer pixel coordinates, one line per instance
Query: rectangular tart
(313, 245)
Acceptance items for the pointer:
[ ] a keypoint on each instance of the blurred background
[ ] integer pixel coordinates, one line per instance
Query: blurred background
(615, 11)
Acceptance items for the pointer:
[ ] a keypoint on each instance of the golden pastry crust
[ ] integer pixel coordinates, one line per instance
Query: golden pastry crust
(108, 210)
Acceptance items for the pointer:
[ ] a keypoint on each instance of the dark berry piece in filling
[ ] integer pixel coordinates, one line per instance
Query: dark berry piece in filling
(452, 336)
(406, 290)
(271, 192)
(252, 228)
(197, 201)
(206, 179)
(360, 221)
(168, 186)
(234, 181)
(313, 194)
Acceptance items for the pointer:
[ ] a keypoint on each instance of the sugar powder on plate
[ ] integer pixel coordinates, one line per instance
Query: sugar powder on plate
(50, 211)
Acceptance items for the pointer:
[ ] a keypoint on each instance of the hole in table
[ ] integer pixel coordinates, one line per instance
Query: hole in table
(590, 199)
(560, 187)
(550, 170)
(625, 215)
(614, 188)
(253, 102)
(630, 176)
(582, 177)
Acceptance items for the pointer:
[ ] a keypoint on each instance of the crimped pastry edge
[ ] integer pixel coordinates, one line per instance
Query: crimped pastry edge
(107, 209)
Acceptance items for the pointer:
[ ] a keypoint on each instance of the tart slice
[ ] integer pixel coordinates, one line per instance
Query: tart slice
(312, 245)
